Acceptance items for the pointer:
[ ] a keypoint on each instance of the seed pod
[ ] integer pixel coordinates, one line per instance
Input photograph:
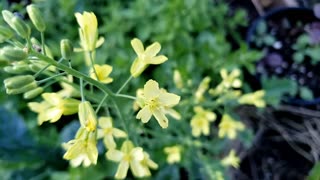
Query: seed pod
(12, 54)
(18, 81)
(36, 17)
(21, 28)
(22, 89)
(33, 93)
(17, 69)
(87, 116)
(66, 49)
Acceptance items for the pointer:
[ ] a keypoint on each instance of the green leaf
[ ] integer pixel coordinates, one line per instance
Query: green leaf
(306, 93)
(315, 172)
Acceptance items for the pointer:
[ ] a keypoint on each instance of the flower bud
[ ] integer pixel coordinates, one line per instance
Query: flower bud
(70, 106)
(22, 89)
(7, 16)
(5, 33)
(18, 81)
(12, 54)
(66, 48)
(36, 17)
(21, 28)
(33, 93)
(87, 116)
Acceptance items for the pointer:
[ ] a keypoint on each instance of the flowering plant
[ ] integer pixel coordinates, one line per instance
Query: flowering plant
(144, 125)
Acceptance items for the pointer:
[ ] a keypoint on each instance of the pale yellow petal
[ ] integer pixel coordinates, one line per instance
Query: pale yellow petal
(122, 170)
(153, 49)
(119, 133)
(114, 155)
(151, 89)
(137, 169)
(109, 142)
(105, 122)
(158, 60)
(52, 98)
(168, 99)
(161, 118)
(54, 114)
(137, 46)
(144, 114)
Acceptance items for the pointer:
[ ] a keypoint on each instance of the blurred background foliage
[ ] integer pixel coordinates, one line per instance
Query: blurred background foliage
(198, 37)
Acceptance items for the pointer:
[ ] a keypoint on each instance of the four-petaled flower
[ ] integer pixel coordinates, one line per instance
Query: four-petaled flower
(107, 132)
(229, 127)
(156, 102)
(173, 154)
(103, 72)
(231, 160)
(145, 56)
(200, 122)
(82, 150)
(128, 156)
(53, 107)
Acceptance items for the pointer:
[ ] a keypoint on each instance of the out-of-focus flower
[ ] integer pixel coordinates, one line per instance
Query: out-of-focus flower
(53, 107)
(87, 116)
(203, 87)
(200, 122)
(177, 79)
(229, 127)
(145, 56)
(108, 132)
(156, 102)
(103, 72)
(173, 154)
(255, 98)
(231, 160)
(147, 163)
(128, 156)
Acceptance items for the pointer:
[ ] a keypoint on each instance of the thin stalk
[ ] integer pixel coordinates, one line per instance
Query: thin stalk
(124, 85)
(46, 67)
(52, 77)
(126, 96)
(81, 90)
(100, 104)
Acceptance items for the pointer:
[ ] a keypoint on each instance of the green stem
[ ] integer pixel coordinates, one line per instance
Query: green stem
(81, 90)
(74, 73)
(126, 96)
(92, 65)
(52, 77)
(43, 48)
(124, 85)
(46, 67)
(100, 104)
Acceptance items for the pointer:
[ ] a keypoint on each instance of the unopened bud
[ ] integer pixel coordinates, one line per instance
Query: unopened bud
(33, 93)
(18, 81)
(66, 49)
(36, 17)
(12, 54)
(87, 116)
(5, 33)
(17, 69)
(22, 89)
(21, 28)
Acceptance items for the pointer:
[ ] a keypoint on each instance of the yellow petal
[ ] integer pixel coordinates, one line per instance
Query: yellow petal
(52, 98)
(53, 114)
(158, 60)
(122, 170)
(109, 142)
(105, 122)
(161, 118)
(137, 67)
(151, 89)
(114, 155)
(153, 49)
(168, 99)
(137, 169)
(144, 114)
(137, 46)
(119, 133)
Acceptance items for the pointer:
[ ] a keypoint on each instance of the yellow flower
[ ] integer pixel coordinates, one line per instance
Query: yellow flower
(67, 89)
(88, 30)
(53, 107)
(128, 156)
(177, 79)
(228, 127)
(87, 116)
(156, 102)
(255, 98)
(203, 87)
(103, 72)
(200, 122)
(82, 150)
(231, 160)
(145, 56)
(148, 163)
(229, 81)
(173, 154)
(107, 132)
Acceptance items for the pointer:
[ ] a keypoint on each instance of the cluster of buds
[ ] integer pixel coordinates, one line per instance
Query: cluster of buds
(23, 84)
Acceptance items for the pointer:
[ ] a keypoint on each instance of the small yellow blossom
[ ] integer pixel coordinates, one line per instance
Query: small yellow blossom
(229, 81)
(82, 150)
(128, 156)
(103, 72)
(229, 127)
(173, 154)
(177, 79)
(68, 90)
(255, 98)
(87, 116)
(231, 160)
(156, 102)
(53, 107)
(200, 122)
(107, 132)
(145, 56)
(88, 30)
